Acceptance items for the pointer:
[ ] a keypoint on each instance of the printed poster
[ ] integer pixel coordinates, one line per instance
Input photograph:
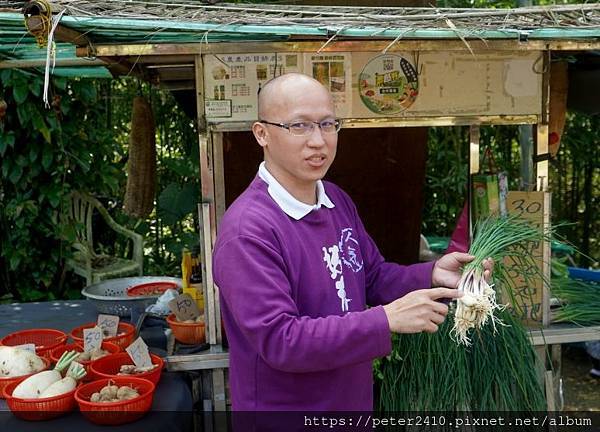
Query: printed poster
(334, 71)
(388, 84)
(232, 81)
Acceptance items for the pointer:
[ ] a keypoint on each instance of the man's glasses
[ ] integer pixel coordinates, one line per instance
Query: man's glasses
(304, 128)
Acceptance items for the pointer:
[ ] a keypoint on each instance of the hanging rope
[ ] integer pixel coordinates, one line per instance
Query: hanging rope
(38, 20)
(50, 57)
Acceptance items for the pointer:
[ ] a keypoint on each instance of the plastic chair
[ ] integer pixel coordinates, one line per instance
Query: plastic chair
(85, 262)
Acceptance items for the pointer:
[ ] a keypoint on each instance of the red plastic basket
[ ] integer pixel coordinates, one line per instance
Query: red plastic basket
(151, 288)
(39, 409)
(115, 413)
(6, 381)
(187, 333)
(106, 346)
(45, 340)
(125, 334)
(108, 367)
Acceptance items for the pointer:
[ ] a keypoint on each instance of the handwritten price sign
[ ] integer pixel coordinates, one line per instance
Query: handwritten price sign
(527, 283)
(184, 307)
(109, 324)
(92, 338)
(138, 351)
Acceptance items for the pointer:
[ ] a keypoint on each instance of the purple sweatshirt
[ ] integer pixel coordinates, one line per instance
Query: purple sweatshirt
(294, 296)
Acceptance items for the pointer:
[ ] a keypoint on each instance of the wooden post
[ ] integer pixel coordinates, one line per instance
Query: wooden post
(210, 144)
(474, 133)
(474, 137)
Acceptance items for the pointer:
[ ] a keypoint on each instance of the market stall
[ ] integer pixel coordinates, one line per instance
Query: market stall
(172, 404)
(391, 71)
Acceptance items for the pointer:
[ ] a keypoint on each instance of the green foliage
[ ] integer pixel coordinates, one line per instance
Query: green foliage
(46, 153)
(574, 178)
(176, 202)
(173, 224)
(81, 143)
(447, 166)
(446, 179)
(575, 182)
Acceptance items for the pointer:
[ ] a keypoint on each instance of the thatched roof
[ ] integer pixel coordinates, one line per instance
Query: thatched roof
(528, 18)
(125, 22)
(345, 20)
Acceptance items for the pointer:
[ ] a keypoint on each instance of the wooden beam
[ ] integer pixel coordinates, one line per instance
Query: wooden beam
(121, 67)
(207, 360)
(61, 34)
(367, 45)
(162, 59)
(173, 74)
(116, 66)
(312, 46)
(564, 333)
(401, 122)
(10, 64)
(178, 85)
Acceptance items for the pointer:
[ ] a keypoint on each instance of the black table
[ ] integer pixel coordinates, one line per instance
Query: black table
(172, 407)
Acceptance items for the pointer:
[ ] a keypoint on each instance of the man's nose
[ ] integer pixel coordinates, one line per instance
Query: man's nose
(316, 138)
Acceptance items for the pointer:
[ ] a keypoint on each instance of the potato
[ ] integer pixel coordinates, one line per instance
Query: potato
(126, 393)
(109, 392)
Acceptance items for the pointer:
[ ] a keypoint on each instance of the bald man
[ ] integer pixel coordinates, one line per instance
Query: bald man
(296, 270)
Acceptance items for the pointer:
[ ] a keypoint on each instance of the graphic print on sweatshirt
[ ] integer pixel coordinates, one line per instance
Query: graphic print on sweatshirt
(344, 252)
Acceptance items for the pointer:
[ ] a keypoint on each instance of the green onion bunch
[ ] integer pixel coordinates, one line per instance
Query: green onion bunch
(580, 301)
(497, 237)
(429, 372)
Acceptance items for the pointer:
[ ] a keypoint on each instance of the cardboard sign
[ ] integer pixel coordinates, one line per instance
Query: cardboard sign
(27, 347)
(109, 324)
(527, 284)
(184, 307)
(138, 351)
(92, 338)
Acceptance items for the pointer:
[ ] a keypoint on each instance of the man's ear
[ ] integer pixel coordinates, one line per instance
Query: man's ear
(260, 133)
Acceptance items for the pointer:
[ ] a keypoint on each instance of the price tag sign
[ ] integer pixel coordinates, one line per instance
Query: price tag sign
(138, 351)
(27, 347)
(92, 338)
(109, 324)
(526, 280)
(184, 307)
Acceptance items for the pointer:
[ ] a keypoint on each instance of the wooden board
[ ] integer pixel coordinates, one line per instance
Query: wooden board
(398, 84)
(528, 285)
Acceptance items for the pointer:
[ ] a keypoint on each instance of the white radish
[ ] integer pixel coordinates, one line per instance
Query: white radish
(17, 362)
(63, 386)
(35, 385)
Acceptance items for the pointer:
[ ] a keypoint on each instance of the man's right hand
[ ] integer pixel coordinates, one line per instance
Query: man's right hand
(418, 311)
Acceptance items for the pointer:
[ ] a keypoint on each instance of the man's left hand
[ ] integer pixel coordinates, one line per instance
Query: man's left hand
(447, 270)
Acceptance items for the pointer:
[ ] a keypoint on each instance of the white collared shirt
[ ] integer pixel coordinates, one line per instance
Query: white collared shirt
(290, 205)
